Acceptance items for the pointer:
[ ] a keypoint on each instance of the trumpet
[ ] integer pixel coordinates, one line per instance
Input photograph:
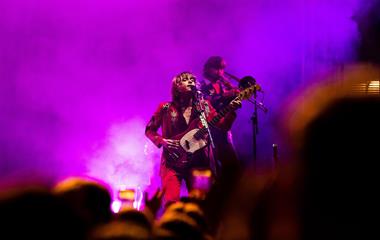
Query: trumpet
(224, 79)
(247, 82)
(244, 82)
(232, 76)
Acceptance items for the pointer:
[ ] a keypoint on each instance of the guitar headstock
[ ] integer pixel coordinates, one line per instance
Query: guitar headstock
(246, 93)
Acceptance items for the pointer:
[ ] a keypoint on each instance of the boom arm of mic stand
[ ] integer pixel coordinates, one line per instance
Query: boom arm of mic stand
(259, 104)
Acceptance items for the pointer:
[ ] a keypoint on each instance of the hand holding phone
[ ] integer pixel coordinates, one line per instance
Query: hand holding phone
(201, 183)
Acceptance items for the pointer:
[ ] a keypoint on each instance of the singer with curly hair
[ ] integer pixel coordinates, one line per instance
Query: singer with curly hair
(179, 119)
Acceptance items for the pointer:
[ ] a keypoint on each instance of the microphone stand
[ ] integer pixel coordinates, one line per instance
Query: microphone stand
(255, 129)
(255, 123)
(254, 117)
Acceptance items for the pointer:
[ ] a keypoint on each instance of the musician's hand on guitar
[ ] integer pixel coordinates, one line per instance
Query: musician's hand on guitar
(236, 103)
(170, 144)
(205, 137)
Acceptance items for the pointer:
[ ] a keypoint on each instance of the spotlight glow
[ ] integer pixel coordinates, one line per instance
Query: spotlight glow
(124, 160)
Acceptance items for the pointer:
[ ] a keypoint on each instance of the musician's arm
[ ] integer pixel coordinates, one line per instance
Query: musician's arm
(230, 93)
(154, 124)
(226, 122)
(229, 118)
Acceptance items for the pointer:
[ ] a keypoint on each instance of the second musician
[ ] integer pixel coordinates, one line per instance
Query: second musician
(220, 93)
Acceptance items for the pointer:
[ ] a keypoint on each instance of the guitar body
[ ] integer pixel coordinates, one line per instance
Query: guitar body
(189, 143)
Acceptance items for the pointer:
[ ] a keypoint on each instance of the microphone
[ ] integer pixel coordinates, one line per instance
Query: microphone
(193, 88)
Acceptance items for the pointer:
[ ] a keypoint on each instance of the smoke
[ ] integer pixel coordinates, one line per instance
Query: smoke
(125, 159)
(77, 74)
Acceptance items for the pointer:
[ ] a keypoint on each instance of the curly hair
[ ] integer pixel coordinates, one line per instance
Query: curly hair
(213, 62)
(176, 80)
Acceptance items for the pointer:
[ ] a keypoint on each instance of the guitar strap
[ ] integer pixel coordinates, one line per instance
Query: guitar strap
(204, 110)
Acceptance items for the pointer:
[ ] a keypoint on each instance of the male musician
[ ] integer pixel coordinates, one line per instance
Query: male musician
(220, 92)
(177, 117)
(217, 86)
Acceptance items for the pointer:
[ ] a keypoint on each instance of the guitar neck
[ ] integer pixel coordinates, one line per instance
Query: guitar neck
(215, 120)
(245, 94)
(220, 115)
